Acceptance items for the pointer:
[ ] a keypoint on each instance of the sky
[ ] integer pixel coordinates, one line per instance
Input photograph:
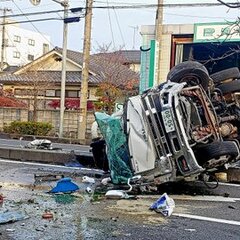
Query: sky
(118, 28)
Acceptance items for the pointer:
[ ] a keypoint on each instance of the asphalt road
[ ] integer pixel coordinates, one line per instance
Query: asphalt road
(12, 143)
(199, 213)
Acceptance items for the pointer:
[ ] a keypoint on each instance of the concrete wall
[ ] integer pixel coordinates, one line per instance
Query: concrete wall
(71, 118)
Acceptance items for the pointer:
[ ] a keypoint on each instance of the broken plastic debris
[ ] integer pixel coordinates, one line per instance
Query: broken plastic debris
(65, 185)
(12, 216)
(116, 194)
(164, 205)
(86, 179)
(47, 215)
(89, 190)
(105, 181)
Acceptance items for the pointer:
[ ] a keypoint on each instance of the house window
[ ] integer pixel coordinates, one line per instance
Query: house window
(41, 93)
(30, 57)
(16, 54)
(45, 48)
(31, 42)
(20, 92)
(50, 93)
(58, 93)
(72, 94)
(17, 38)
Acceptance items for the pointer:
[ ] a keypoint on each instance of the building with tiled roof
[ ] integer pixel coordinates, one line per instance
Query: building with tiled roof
(129, 58)
(44, 75)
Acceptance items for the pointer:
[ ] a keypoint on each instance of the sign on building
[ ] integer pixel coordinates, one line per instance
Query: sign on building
(216, 32)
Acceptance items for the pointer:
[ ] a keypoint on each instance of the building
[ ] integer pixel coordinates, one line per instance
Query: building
(22, 46)
(216, 45)
(38, 84)
(129, 58)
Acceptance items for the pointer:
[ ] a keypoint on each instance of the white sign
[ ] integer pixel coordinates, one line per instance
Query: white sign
(216, 32)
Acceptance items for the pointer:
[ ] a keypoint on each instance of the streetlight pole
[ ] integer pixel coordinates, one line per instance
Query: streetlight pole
(63, 76)
(65, 5)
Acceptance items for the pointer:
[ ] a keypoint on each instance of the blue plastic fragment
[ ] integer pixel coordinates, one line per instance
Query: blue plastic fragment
(159, 203)
(65, 185)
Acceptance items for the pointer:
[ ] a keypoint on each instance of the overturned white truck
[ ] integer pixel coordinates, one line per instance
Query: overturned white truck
(169, 133)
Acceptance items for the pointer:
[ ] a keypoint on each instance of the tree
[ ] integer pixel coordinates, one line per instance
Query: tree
(7, 99)
(34, 90)
(118, 82)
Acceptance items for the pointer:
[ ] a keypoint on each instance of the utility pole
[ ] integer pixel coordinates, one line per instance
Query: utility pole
(64, 61)
(3, 45)
(85, 69)
(158, 35)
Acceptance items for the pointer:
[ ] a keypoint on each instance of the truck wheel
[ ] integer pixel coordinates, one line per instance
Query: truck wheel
(230, 73)
(216, 150)
(193, 73)
(230, 87)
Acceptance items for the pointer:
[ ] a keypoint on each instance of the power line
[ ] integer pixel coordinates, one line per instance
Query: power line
(34, 20)
(120, 30)
(40, 13)
(33, 25)
(230, 5)
(110, 24)
(134, 6)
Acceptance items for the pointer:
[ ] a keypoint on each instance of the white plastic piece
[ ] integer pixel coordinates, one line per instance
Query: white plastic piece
(164, 205)
(86, 179)
(105, 181)
(116, 194)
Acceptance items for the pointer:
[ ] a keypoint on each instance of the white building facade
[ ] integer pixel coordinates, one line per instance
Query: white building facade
(22, 46)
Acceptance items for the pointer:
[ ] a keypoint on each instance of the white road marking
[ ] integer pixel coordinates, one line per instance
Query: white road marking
(229, 184)
(50, 165)
(217, 220)
(205, 198)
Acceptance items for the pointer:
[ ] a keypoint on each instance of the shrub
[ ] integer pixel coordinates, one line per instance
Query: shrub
(29, 128)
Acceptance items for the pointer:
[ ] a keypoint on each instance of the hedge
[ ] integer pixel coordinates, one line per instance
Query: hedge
(29, 128)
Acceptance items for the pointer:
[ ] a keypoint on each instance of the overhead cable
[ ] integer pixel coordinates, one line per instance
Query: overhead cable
(174, 5)
(43, 36)
(230, 5)
(73, 10)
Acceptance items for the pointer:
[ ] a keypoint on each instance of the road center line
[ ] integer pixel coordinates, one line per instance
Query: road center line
(217, 220)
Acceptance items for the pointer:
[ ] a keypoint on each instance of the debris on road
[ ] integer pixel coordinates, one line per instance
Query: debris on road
(89, 190)
(65, 185)
(105, 181)
(47, 177)
(86, 179)
(164, 205)
(116, 194)
(47, 215)
(12, 216)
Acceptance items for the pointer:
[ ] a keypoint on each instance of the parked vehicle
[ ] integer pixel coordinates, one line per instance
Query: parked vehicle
(171, 132)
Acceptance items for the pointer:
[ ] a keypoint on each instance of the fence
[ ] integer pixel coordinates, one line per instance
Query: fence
(71, 119)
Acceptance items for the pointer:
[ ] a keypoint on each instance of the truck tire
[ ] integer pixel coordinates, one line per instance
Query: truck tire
(230, 87)
(216, 150)
(230, 73)
(193, 73)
